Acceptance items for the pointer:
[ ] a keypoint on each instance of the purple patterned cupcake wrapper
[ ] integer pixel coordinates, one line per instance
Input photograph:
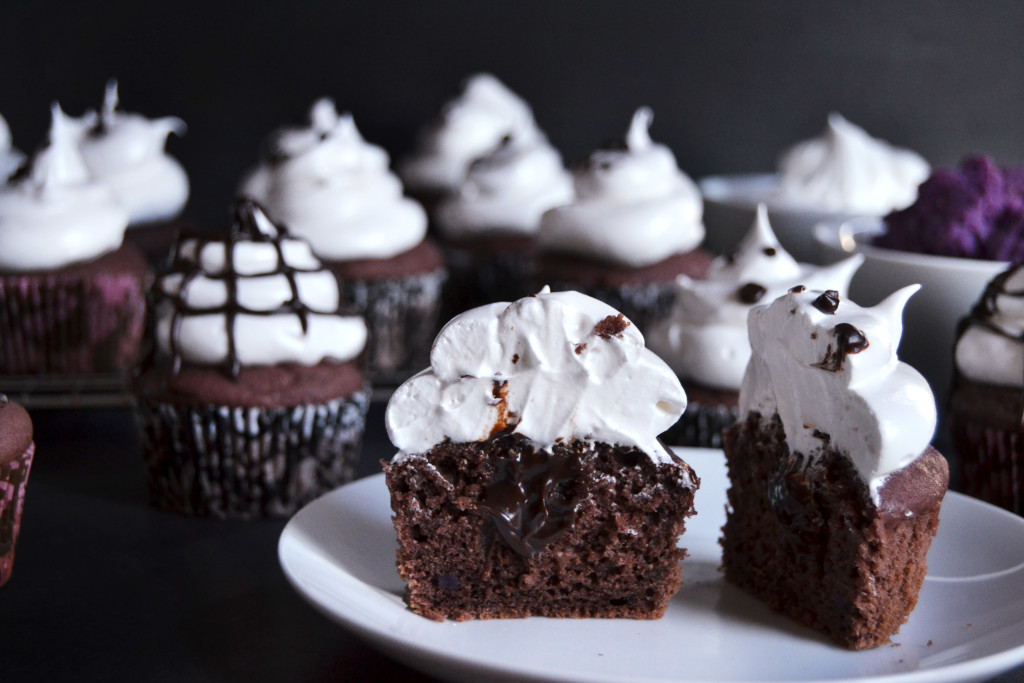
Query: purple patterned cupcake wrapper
(249, 463)
(13, 480)
(402, 318)
(701, 426)
(992, 463)
(54, 324)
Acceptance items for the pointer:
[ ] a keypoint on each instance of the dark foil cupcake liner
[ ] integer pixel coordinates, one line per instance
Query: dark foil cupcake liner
(701, 426)
(249, 463)
(992, 463)
(476, 279)
(402, 318)
(70, 325)
(643, 303)
(13, 480)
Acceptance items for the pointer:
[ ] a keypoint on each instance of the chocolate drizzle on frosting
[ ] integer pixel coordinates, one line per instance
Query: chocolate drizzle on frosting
(849, 340)
(828, 302)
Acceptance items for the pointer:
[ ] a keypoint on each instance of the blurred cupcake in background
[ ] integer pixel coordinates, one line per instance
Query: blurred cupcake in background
(843, 173)
(987, 398)
(10, 158)
(634, 226)
(470, 126)
(125, 151)
(72, 296)
(253, 402)
(488, 227)
(326, 184)
(705, 340)
(17, 450)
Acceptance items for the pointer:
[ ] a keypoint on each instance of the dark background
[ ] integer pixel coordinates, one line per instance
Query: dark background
(731, 83)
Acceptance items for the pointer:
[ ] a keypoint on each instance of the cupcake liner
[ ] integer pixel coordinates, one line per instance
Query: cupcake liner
(70, 325)
(701, 426)
(477, 279)
(992, 463)
(248, 463)
(13, 480)
(643, 303)
(402, 318)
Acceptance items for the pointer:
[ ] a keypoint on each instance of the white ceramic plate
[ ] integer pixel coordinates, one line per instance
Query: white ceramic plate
(969, 623)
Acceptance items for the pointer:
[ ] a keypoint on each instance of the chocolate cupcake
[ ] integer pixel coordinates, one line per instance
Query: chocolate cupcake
(72, 297)
(329, 186)
(634, 227)
(987, 400)
(253, 402)
(705, 339)
(16, 452)
(125, 152)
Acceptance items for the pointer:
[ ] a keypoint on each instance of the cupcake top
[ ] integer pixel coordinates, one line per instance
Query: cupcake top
(634, 206)
(470, 126)
(828, 368)
(976, 211)
(331, 187)
(507, 191)
(125, 151)
(990, 346)
(705, 337)
(10, 158)
(15, 430)
(848, 171)
(554, 366)
(253, 297)
(56, 214)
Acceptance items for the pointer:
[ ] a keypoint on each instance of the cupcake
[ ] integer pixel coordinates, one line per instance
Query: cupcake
(634, 227)
(125, 152)
(705, 338)
(10, 158)
(470, 126)
(72, 297)
(332, 188)
(834, 491)
(843, 173)
(488, 226)
(16, 452)
(253, 402)
(529, 479)
(987, 399)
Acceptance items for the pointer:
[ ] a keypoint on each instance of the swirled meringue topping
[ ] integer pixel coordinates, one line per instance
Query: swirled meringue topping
(254, 297)
(470, 126)
(548, 367)
(10, 158)
(828, 368)
(634, 206)
(331, 187)
(125, 151)
(57, 214)
(990, 346)
(705, 337)
(846, 170)
(507, 191)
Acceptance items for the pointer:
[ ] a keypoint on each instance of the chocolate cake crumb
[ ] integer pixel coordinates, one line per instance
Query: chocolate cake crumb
(515, 358)
(580, 348)
(612, 326)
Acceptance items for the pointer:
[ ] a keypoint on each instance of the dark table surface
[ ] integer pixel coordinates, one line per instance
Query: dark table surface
(107, 588)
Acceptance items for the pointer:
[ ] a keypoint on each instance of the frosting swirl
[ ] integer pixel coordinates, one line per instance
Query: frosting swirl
(634, 206)
(254, 297)
(705, 337)
(846, 170)
(56, 214)
(829, 369)
(10, 158)
(125, 151)
(331, 187)
(548, 367)
(470, 126)
(990, 346)
(507, 191)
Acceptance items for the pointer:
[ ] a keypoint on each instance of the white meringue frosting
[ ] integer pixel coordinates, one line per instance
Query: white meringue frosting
(990, 349)
(58, 214)
(325, 183)
(846, 170)
(10, 158)
(548, 367)
(832, 370)
(634, 206)
(705, 339)
(258, 295)
(470, 126)
(125, 151)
